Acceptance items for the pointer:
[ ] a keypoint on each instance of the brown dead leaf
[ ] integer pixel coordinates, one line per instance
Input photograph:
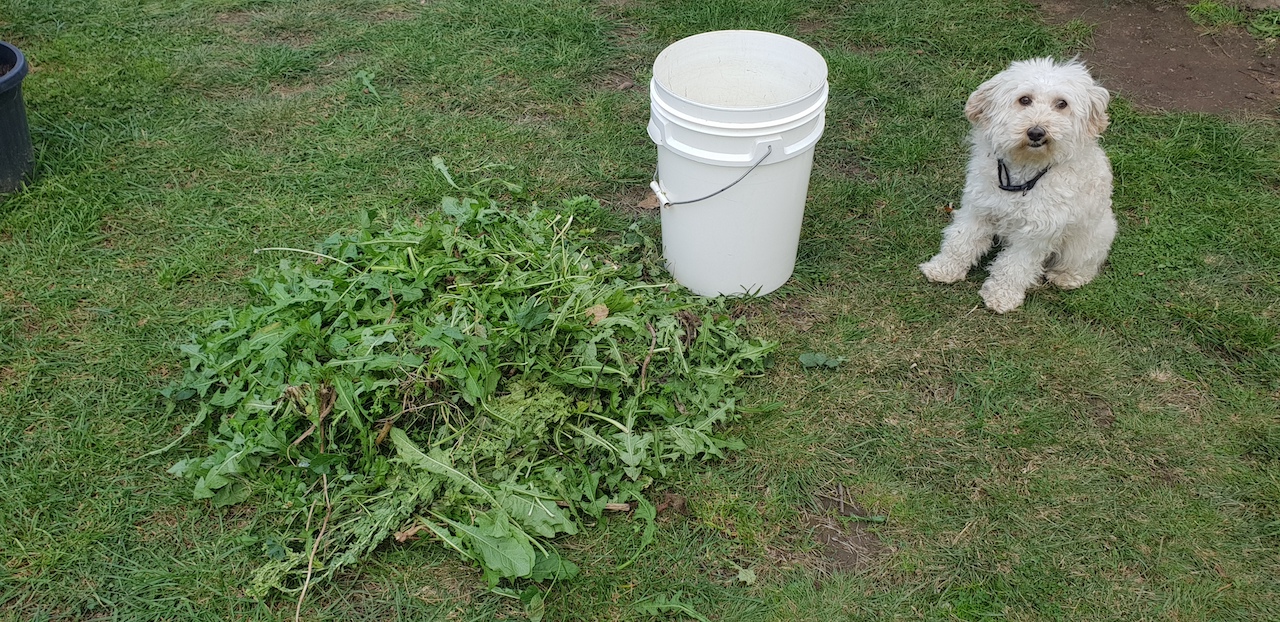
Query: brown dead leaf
(382, 433)
(410, 533)
(598, 313)
(650, 202)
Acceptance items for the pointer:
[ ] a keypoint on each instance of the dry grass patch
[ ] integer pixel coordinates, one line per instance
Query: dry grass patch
(289, 91)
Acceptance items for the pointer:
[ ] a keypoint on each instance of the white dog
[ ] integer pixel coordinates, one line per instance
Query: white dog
(1037, 180)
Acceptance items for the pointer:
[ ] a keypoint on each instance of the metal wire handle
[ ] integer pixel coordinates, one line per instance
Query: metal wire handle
(657, 187)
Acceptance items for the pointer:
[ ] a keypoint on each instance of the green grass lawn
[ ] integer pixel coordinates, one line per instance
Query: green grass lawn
(1111, 453)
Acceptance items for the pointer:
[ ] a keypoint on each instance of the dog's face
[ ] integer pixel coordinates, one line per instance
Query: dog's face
(1039, 111)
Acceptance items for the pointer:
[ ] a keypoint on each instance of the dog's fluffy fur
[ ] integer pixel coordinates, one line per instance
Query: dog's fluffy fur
(1035, 115)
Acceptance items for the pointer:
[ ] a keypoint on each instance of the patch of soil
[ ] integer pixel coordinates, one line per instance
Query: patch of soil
(8, 378)
(394, 14)
(673, 503)
(237, 19)
(1100, 412)
(615, 81)
(286, 91)
(811, 26)
(1152, 54)
(850, 163)
(633, 199)
(795, 312)
(847, 545)
(258, 29)
(1168, 476)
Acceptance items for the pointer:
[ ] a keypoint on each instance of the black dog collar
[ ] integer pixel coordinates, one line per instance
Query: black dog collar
(1002, 174)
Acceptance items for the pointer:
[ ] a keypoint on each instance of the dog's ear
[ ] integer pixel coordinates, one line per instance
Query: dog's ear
(979, 101)
(1097, 122)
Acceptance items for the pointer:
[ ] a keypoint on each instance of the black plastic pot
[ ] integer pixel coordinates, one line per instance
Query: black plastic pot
(16, 156)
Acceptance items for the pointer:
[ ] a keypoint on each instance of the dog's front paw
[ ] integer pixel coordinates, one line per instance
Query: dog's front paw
(1066, 280)
(1000, 298)
(942, 270)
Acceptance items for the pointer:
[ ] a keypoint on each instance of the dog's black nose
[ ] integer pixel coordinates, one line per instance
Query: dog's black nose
(1036, 134)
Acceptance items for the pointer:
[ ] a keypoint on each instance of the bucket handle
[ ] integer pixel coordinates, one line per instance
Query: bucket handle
(656, 184)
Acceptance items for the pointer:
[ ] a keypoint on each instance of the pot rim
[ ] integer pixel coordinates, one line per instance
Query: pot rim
(13, 78)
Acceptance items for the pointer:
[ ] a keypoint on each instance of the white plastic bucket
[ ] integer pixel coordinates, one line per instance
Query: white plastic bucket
(735, 115)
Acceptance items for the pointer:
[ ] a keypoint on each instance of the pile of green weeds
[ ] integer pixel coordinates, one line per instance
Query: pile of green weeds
(490, 376)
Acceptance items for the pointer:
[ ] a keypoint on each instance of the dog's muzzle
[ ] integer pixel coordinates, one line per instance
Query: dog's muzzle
(1037, 136)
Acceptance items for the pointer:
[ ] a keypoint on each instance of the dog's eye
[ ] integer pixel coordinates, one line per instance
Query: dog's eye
(1062, 104)
(1024, 100)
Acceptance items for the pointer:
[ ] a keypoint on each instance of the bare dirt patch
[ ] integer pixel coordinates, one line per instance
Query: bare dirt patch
(1100, 412)
(234, 19)
(393, 14)
(1151, 53)
(637, 200)
(257, 28)
(616, 81)
(811, 26)
(1171, 391)
(840, 527)
(850, 163)
(9, 377)
(288, 91)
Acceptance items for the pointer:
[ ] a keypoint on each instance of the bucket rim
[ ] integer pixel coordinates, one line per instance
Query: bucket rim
(817, 92)
(822, 86)
(817, 108)
(14, 76)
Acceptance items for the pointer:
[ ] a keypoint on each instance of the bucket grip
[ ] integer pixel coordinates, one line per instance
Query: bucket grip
(656, 184)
